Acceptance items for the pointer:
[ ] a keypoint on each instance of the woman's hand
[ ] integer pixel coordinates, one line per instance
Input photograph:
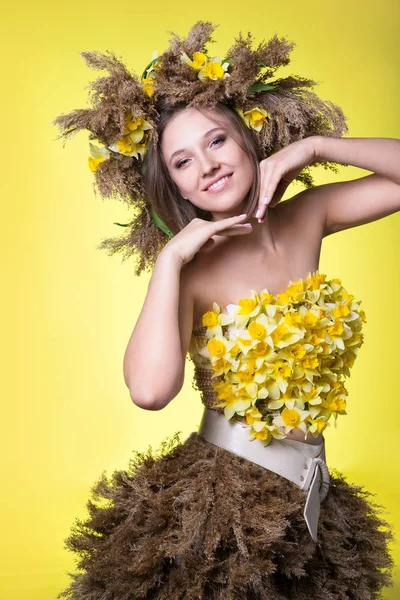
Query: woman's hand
(197, 235)
(278, 171)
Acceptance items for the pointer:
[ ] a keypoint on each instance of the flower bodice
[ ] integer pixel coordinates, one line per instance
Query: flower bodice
(278, 362)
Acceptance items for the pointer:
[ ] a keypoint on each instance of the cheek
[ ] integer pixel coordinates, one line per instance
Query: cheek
(243, 160)
(177, 176)
(248, 173)
(183, 181)
(247, 166)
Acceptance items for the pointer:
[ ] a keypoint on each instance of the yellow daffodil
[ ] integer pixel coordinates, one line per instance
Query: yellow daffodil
(216, 347)
(259, 427)
(254, 118)
(214, 69)
(263, 351)
(210, 319)
(220, 365)
(253, 414)
(283, 336)
(148, 86)
(288, 400)
(293, 353)
(231, 403)
(310, 319)
(208, 68)
(97, 156)
(292, 419)
(307, 367)
(317, 280)
(215, 319)
(257, 331)
(199, 60)
(249, 306)
(296, 291)
(312, 396)
(134, 140)
(288, 352)
(341, 310)
(317, 426)
(148, 77)
(264, 434)
(348, 359)
(293, 319)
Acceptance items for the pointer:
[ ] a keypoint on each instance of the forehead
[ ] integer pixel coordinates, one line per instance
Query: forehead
(190, 124)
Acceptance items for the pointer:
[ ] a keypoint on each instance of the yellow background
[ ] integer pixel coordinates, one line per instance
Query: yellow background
(69, 309)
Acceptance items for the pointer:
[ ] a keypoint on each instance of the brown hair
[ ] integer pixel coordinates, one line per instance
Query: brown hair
(295, 112)
(174, 210)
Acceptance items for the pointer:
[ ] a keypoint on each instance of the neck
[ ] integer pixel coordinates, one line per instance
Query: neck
(261, 236)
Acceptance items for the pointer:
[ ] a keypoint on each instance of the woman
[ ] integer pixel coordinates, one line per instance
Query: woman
(221, 515)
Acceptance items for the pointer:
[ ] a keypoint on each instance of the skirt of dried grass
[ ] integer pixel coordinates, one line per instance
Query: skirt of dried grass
(193, 521)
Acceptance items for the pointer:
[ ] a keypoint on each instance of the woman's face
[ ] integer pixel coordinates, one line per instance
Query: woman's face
(199, 153)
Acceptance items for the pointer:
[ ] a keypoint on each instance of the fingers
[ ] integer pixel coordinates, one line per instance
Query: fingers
(264, 198)
(270, 196)
(261, 212)
(237, 229)
(232, 225)
(223, 223)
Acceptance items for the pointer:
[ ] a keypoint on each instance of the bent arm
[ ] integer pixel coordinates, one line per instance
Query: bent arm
(346, 204)
(380, 155)
(153, 361)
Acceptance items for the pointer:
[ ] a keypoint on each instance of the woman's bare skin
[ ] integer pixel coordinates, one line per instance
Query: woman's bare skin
(286, 247)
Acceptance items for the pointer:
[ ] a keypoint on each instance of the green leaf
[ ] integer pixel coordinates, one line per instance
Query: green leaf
(260, 87)
(160, 223)
(122, 224)
(149, 65)
(259, 62)
(228, 60)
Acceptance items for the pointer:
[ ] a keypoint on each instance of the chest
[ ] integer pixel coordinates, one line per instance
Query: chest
(230, 273)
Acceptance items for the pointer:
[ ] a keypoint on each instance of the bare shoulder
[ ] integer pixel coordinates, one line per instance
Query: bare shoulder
(301, 215)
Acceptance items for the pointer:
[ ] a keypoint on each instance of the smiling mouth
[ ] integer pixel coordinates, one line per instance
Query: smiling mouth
(219, 184)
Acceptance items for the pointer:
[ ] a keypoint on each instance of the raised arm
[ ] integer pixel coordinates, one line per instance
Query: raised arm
(345, 204)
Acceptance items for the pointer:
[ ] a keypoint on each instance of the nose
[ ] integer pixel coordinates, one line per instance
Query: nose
(208, 164)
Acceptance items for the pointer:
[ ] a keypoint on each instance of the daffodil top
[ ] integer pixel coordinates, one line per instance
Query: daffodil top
(278, 362)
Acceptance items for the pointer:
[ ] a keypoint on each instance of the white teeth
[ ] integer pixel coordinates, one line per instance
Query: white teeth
(218, 183)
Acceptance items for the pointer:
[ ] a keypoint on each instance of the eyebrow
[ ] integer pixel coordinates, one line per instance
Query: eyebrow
(206, 135)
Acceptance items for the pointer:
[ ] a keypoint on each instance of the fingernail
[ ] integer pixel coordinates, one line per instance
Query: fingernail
(265, 200)
(258, 213)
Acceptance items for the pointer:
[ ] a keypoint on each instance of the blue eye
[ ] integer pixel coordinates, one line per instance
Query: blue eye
(219, 138)
(179, 164)
(182, 162)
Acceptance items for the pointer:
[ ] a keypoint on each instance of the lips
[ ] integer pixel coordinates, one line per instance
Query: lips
(217, 179)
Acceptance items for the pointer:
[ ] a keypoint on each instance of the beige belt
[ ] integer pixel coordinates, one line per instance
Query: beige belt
(303, 464)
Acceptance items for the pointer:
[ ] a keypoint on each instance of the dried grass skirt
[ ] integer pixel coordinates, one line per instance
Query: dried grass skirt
(194, 521)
